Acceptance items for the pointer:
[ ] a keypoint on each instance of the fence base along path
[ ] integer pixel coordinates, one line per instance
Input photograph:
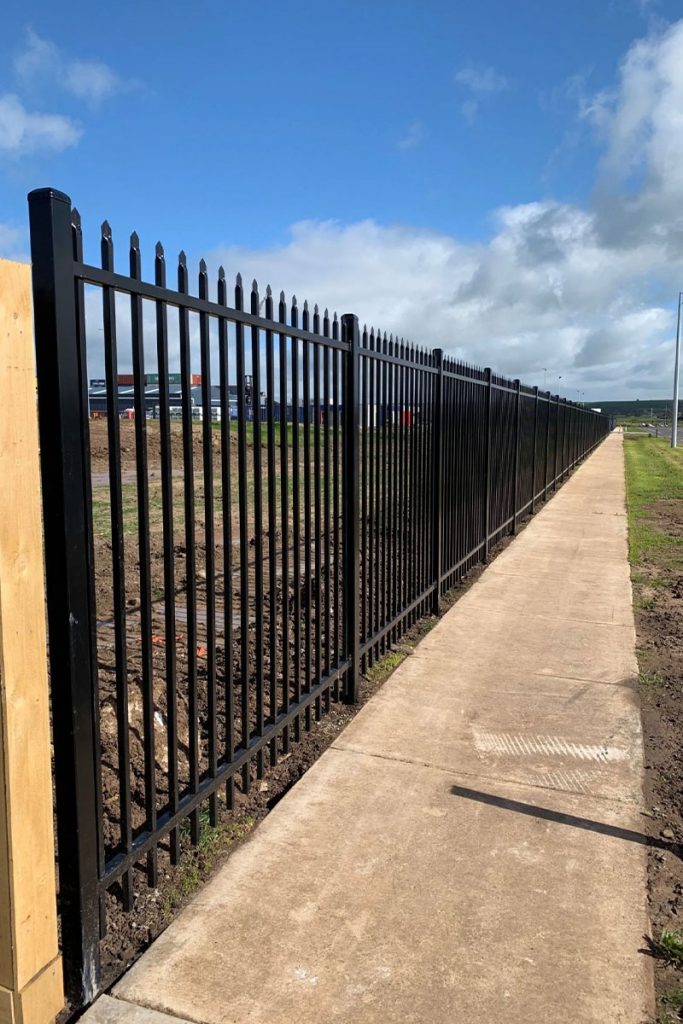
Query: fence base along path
(30, 968)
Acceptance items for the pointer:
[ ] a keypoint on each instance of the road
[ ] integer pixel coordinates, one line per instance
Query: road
(660, 431)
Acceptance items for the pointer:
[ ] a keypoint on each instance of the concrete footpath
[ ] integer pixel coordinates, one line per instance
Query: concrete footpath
(470, 848)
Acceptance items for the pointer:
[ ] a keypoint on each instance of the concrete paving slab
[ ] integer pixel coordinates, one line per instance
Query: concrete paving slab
(588, 650)
(470, 847)
(387, 892)
(542, 563)
(540, 597)
(542, 731)
(115, 1011)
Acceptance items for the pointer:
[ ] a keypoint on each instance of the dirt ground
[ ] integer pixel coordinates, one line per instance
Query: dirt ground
(656, 528)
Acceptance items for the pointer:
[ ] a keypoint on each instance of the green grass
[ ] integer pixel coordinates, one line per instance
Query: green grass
(669, 947)
(673, 999)
(654, 473)
(197, 863)
(101, 507)
(653, 680)
(385, 666)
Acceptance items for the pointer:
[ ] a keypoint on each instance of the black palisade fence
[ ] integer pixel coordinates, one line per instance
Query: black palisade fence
(292, 494)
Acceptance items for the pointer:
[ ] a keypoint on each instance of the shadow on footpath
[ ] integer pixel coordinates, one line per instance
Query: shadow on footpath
(572, 820)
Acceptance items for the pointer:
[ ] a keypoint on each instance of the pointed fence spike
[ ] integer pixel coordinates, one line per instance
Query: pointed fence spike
(238, 280)
(315, 309)
(159, 251)
(269, 292)
(182, 258)
(134, 240)
(254, 285)
(202, 266)
(326, 313)
(294, 300)
(305, 305)
(106, 229)
(221, 273)
(282, 297)
(75, 218)
(335, 317)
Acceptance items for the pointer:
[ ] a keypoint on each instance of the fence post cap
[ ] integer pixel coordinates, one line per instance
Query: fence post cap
(49, 193)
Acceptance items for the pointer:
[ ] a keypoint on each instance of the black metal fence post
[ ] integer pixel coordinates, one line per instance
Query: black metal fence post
(515, 491)
(437, 480)
(487, 464)
(351, 483)
(61, 370)
(547, 447)
(557, 439)
(533, 464)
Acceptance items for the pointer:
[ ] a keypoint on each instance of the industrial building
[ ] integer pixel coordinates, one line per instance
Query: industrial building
(97, 396)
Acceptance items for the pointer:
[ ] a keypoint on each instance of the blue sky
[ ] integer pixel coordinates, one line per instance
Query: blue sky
(492, 177)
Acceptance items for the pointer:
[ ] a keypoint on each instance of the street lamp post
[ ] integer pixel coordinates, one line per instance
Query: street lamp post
(674, 413)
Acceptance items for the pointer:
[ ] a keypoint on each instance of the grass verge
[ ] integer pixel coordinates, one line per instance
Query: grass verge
(654, 492)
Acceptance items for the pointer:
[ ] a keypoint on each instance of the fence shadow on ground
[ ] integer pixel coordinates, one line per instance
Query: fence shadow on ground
(561, 818)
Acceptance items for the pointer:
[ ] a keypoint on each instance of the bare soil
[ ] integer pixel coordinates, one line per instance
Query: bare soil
(659, 627)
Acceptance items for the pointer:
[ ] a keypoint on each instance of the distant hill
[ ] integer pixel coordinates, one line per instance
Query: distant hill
(644, 407)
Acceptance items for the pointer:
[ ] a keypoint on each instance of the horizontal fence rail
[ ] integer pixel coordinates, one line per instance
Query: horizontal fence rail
(225, 560)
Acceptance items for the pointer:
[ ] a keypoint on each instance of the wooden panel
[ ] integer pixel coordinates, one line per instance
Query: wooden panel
(28, 923)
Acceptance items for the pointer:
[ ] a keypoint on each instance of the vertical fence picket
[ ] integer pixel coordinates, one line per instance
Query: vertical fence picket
(226, 493)
(296, 521)
(284, 528)
(272, 519)
(535, 457)
(307, 584)
(190, 546)
(317, 518)
(515, 470)
(487, 464)
(437, 480)
(258, 521)
(144, 553)
(209, 538)
(351, 480)
(242, 490)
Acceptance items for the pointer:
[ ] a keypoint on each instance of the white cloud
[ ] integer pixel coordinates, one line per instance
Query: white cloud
(24, 132)
(413, 137)
(469, 110)
(91, 81)
(42, 61)
(480, 83)
(583, 290)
